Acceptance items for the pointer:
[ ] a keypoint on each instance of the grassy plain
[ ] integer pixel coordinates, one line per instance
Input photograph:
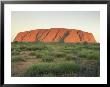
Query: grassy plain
(55, 59)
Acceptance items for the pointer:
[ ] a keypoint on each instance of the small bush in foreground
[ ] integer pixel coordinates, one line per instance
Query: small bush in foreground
(15, 53)
(69, 57)
(18, 59)
(58, 54)
(48, 59)
(45, 69)
(89, 54)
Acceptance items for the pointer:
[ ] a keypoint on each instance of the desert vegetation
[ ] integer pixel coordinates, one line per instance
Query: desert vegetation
(55, 59)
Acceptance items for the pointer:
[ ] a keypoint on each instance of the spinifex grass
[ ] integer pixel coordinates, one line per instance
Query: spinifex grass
(55, 59)
(55, 69)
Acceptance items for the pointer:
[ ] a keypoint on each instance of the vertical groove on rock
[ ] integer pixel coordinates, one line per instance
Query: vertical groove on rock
(55, 36)
(26, 38)
(45, 35)
(37, 35)
(80, 34)
(64, 36)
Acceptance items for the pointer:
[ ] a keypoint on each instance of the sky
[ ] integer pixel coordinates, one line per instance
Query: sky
(88, 21)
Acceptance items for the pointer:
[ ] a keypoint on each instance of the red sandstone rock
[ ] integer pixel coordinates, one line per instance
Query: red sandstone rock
(20, 36)
(72, 37)
(55, 35)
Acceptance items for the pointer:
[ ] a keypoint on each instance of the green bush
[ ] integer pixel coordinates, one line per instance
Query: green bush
(47, 59)
(33, 47)
(69, 57)
(37, 54)
(33, 53)
(58, 54)
(89, 54)
(89, 69)
(18, 59)
(45, 69)
(15, 52)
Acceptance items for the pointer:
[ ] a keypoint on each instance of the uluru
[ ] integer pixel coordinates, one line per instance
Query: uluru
(55, 35)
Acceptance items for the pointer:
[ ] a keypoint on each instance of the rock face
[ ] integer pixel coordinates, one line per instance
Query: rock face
(55, 35)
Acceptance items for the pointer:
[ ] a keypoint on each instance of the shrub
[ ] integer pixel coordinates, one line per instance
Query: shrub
(89, 54)
(32, 53)
(89, 69)
(14, 52)
(39, 55)
(47, 59)
(69, 57)
(18, 59)
(58, 54)
(45, 69)
(31, 47)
